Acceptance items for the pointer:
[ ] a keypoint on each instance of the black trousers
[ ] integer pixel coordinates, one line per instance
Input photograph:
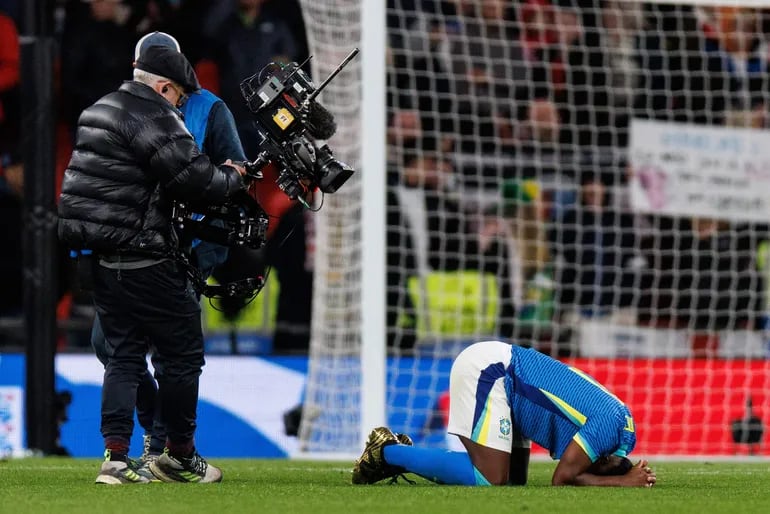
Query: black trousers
(139, 308)
(146, 393)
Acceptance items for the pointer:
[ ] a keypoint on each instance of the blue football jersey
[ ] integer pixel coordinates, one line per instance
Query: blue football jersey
(553, 404)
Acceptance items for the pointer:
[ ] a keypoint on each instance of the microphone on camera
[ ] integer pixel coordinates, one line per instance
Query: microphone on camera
(320, 122)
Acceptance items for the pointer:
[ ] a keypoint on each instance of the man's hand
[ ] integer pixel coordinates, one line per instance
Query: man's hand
(241, 170)
(641, 475)
(573, 469)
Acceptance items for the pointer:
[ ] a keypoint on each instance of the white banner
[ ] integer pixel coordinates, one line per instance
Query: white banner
(11, 421)
(690, 170)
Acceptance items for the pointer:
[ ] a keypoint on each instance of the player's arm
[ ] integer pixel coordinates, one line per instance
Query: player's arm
(573, 469)
(519, 461)
(517, 474)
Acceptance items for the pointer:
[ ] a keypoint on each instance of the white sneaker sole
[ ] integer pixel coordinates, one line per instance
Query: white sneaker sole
(111, 480)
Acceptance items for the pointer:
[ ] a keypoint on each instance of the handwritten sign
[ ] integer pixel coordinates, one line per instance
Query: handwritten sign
(690, 170)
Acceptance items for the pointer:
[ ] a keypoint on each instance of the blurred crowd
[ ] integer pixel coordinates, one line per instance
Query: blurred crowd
(507, 128)
(512, 119)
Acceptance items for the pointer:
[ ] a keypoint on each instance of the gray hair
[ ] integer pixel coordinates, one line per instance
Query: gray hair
(145, 77)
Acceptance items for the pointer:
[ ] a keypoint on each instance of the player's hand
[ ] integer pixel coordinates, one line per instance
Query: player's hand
(641, 475)
(241, 170)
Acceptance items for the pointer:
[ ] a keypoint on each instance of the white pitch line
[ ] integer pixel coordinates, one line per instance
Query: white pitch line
(40, 468)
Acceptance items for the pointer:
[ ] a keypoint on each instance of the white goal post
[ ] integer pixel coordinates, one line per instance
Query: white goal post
(352, 295)
(483, 133)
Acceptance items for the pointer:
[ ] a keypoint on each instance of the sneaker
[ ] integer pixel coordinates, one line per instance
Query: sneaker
(116, 472)
(169, 468)
(371, 466)
(137, 463)
(143, 467)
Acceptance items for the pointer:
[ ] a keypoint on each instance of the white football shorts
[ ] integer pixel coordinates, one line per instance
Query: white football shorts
(478, 405)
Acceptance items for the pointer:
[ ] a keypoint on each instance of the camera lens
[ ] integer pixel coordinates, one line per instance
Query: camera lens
(331, 173)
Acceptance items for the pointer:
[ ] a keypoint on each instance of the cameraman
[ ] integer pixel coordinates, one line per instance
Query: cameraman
(132, 154)
(212, 126)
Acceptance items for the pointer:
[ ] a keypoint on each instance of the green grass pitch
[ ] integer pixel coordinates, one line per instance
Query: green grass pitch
(60, 485)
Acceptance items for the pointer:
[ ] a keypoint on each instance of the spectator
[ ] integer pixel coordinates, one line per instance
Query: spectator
(579, 76)
(403, 134)
(248, 39)
(595, 245)
(419, 68)
(540, 137)
(701, 274)
(450, 244)
(491, 72)
(542, 130)
(537, 28)
(526, 209)
(675, 82)
(620, 23)
(400, 266)
(488, 57)
(183, 18)
(287, 253)
(11, 193)
(290, 12)
(10, 8)
(445, 235)
(715, 277)
(737, 65)
(10, 115)
(659, 243)
(93, 54)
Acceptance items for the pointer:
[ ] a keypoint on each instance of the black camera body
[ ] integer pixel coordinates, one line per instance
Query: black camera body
(289, 122)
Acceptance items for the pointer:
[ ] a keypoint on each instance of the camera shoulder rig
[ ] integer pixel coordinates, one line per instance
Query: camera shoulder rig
(239, 223)
(247, 288)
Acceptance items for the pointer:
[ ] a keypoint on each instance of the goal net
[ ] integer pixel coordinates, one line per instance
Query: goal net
(590, 178)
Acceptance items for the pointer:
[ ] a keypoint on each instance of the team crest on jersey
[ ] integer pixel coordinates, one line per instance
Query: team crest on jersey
(505, 426)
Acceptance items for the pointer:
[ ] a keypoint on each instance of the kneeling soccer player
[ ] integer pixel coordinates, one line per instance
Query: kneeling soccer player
(501, 397)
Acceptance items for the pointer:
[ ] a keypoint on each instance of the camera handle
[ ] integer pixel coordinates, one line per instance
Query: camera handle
(286, 182)
(254, 168)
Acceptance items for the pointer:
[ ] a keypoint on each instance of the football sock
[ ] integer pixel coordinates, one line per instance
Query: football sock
(435, 464)
(117, 446)
(184, 449)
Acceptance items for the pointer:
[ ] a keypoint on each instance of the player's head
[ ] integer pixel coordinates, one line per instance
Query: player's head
(610, 465)
(155, 39)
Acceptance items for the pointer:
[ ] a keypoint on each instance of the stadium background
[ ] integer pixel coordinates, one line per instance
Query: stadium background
(586, 177)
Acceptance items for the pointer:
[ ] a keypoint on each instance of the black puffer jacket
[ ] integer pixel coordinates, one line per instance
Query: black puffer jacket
(132, 155)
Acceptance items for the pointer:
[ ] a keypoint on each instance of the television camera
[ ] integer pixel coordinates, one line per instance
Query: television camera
(290, 124)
